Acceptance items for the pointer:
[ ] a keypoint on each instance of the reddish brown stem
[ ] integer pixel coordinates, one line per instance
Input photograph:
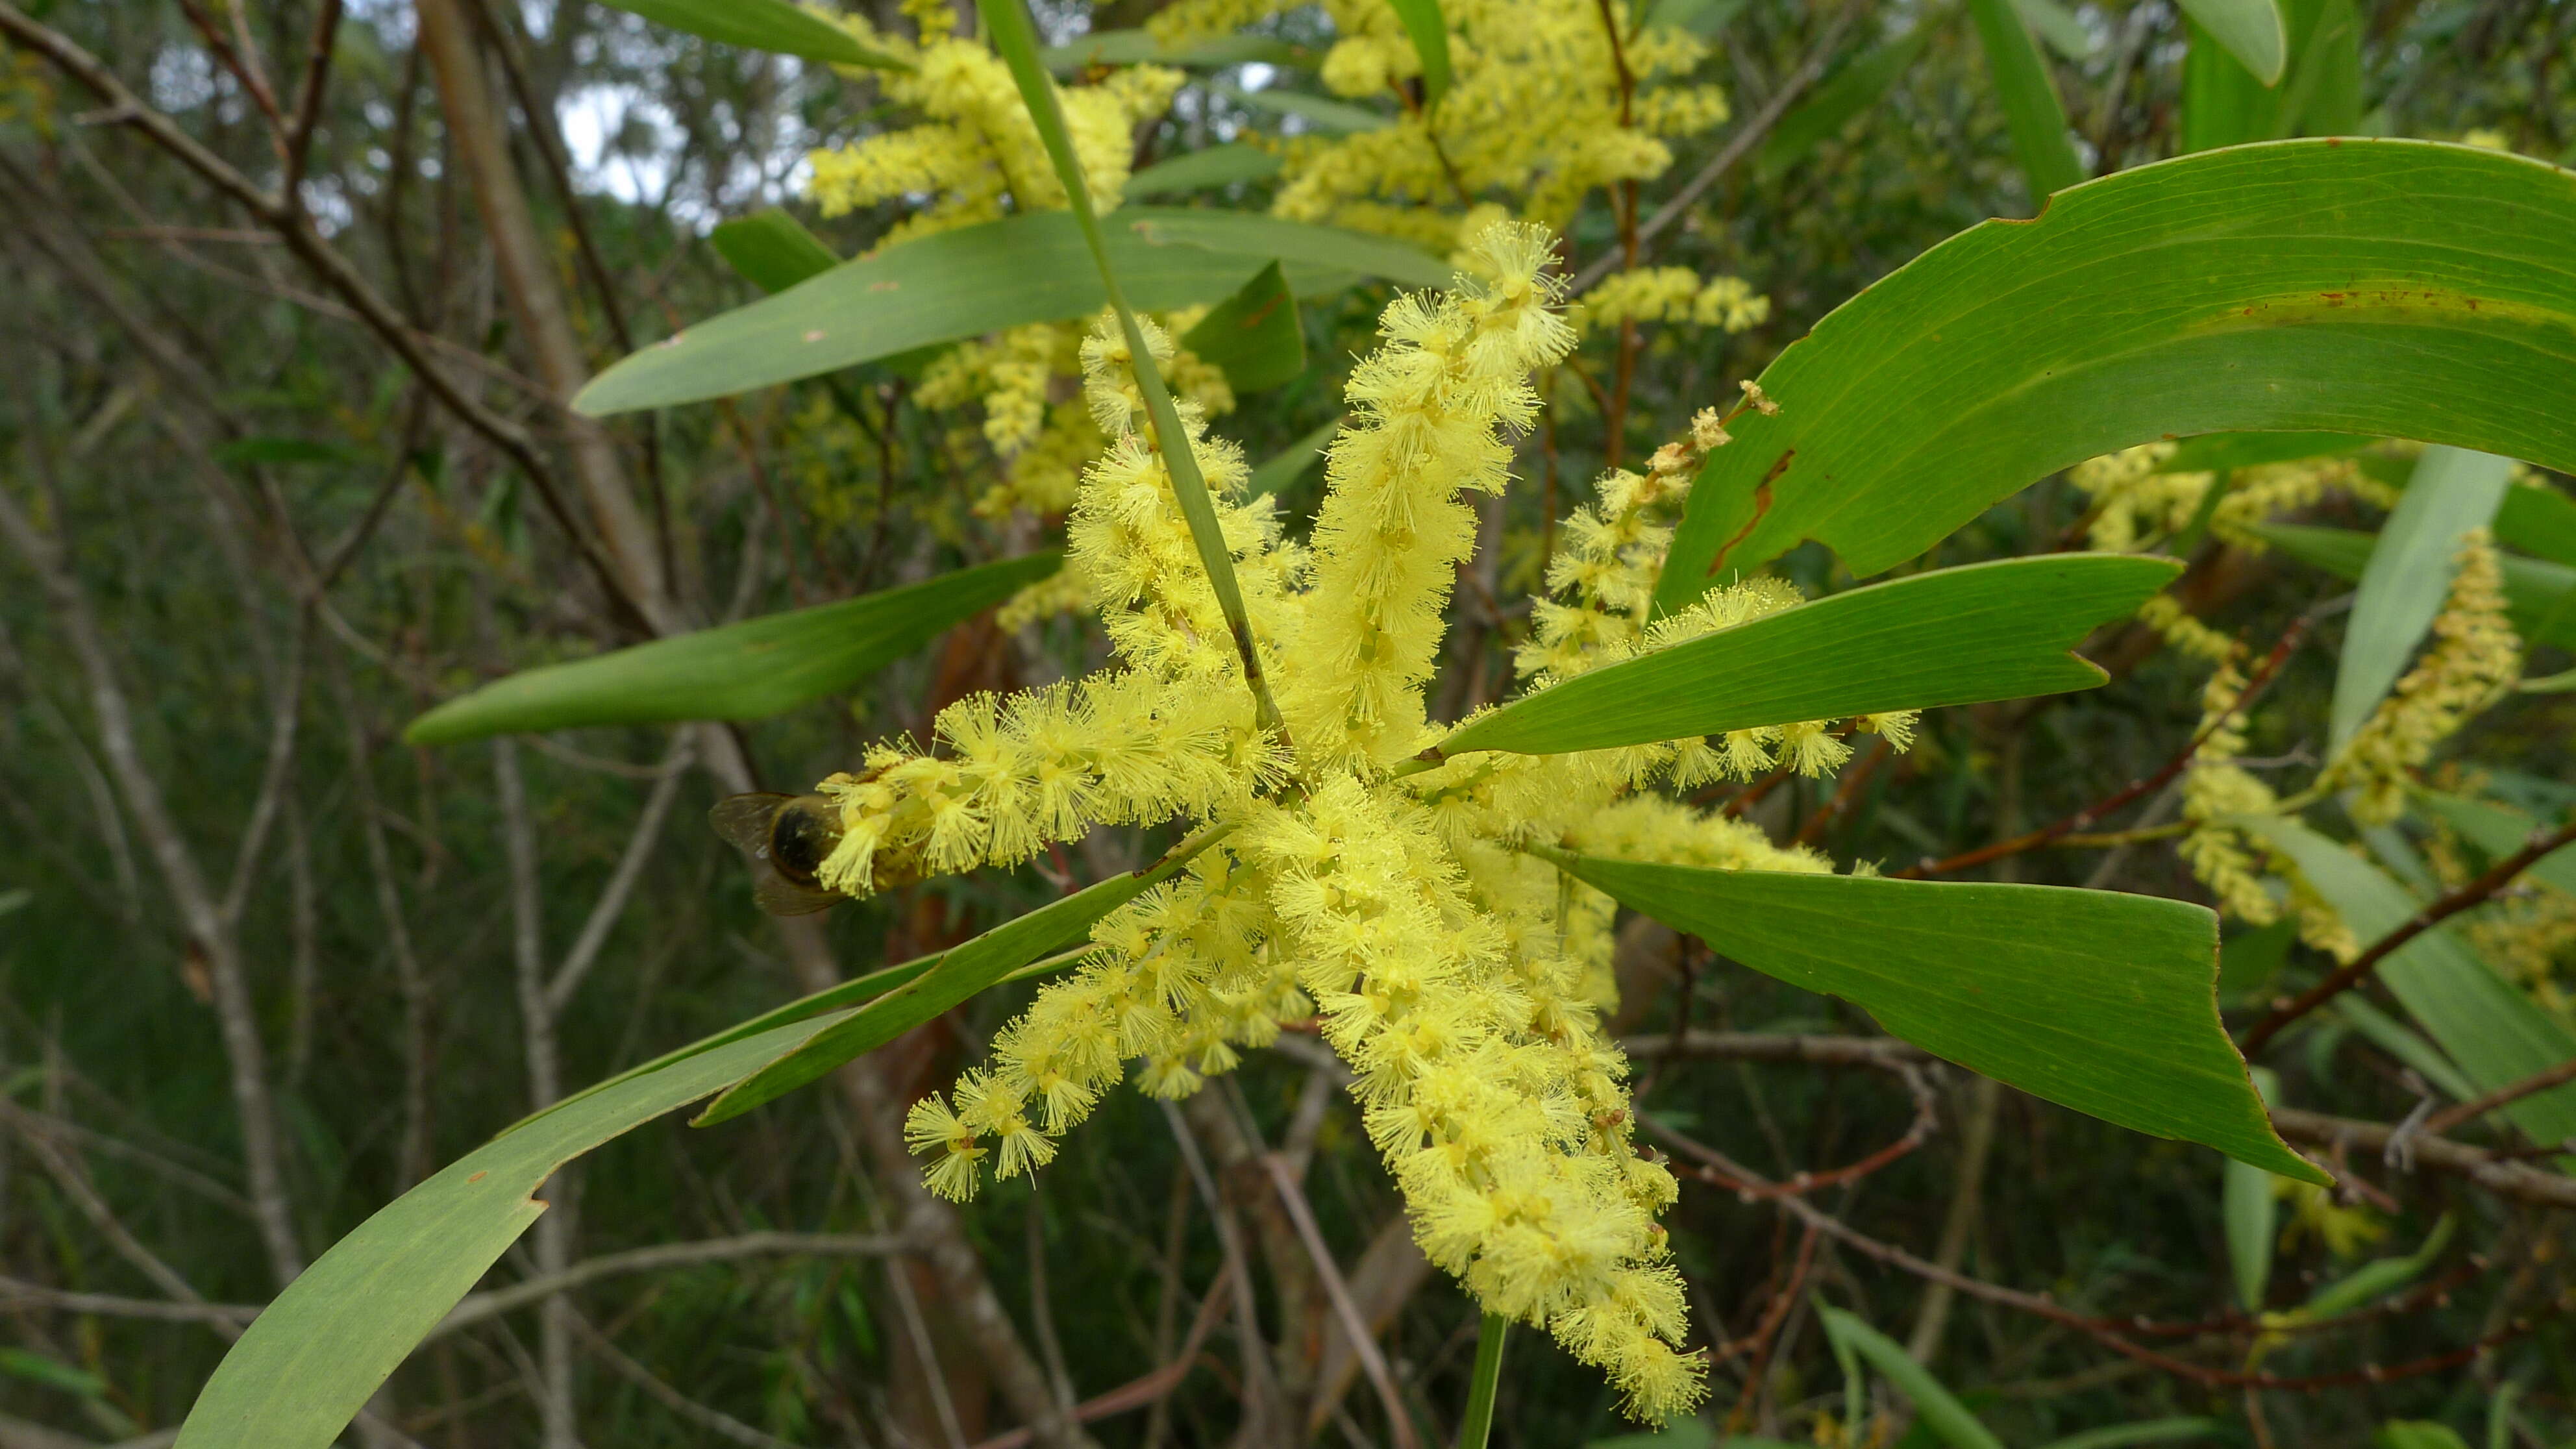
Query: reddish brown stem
(2135, 790)
(2475, 893)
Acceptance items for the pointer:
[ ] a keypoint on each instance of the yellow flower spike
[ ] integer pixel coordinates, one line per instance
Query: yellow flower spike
(2474, 659)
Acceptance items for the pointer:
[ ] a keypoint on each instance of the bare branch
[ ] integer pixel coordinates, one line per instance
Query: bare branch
(491, 1303)
(2475, 893)
(199, 911)
(621, 883)
(1363, 1342)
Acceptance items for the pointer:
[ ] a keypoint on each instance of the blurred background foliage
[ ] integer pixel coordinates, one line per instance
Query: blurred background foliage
(199, 419)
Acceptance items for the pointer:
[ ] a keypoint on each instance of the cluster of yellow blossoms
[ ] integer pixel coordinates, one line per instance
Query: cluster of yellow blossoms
(1534, 109)
(1535, 112)
(2473, 659)
(2135, 505)
(1330, 875)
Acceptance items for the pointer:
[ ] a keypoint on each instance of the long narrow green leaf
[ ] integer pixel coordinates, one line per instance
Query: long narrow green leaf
(772, 250)
(1201, 170)
(2376, 1280)
(2032, 111)
(2098, 1001)
(2499, 831)
(745, 671)
(2247, 1213)
(1254, 335)
(964, 283)
(1293, 461)
(2146, 1431)
(2538, 520)
(2058, 27)
(1332, 117)
(2404, 1043)
(2388, 288)
(1854, 89)
(1007, 24)
(2225, 104)
(2494, 1031)
(959, 975)
(316, 1354)
(851, 993)
(1430, 34)
(2252, 31)
(2410, 571)
(2000, 630)
(2221, 452)
(1939, 1410)
(1139, 47)
(2538, 596)
(772, 25)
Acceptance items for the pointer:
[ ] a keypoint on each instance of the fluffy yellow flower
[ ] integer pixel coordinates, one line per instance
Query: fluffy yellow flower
(2474, 658)
(975, 153)
(1457, 974)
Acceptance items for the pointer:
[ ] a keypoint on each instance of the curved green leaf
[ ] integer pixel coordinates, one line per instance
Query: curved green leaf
(2248, 1213)
(1202, 170)
(772, 250)
(1139, 47)
(2032, 112)
(1855, 88)
(2500, 830)
(2251, 30)
(314, 1356)
(1430, 35)
(772, 25)
(2095, 1000)
(2494, 1031)
(1291, 462)
(2393, 288)
(1325, 114)
(2539, 520)
(2057, 25)
(2224, 452)
(2540, 597)
(1253, 336)
(2409, 574)
(2145, 1431)
(745, 671)
(1940, 1410)
(2000, 630)
(2376, 1280)
(978, 279)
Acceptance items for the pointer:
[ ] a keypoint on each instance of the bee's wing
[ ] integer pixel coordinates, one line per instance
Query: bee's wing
(743, 820)
(780, 896)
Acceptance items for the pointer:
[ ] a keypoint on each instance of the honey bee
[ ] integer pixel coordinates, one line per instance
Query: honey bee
(786, 838)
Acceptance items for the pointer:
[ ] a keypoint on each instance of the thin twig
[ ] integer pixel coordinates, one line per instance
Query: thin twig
(1746, 137)
(493, 1302)
(2475, 893)
(2504, 1096)
(2261, 679)
(1363, 1342)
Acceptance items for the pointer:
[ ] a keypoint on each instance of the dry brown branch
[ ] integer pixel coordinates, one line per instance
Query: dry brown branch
(1363, 1341)
(2474, 893)
(199, 911)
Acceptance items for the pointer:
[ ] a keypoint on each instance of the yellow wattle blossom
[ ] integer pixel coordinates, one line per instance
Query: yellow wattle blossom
(1532, 112)
(975, 155)
(1673, 294)
(2474, 659)
(1458, 975)
(2217, 790)
(2135, 507)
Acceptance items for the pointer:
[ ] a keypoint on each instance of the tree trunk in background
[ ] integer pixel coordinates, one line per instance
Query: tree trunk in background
(528, 279)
